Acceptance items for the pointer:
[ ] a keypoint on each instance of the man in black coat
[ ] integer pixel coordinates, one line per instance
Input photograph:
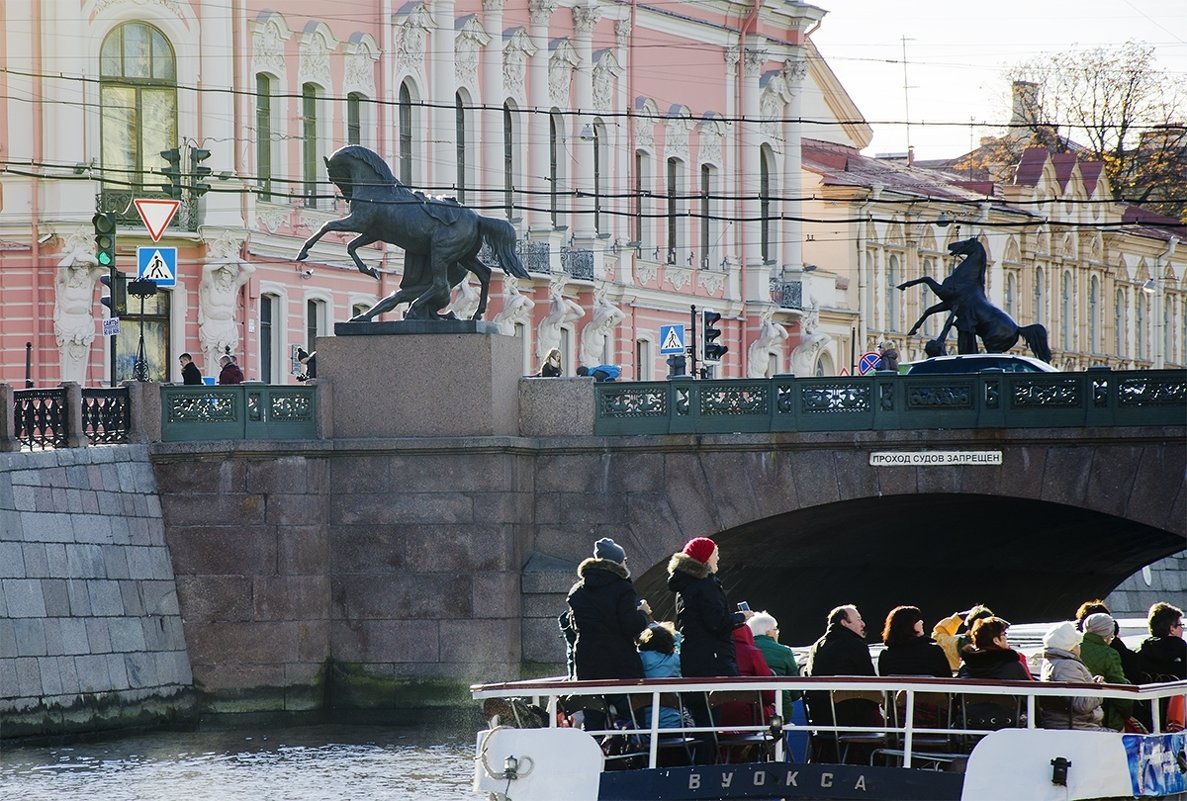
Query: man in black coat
(842, 651)
(190, 374)
(1164, 652)
(607, 617)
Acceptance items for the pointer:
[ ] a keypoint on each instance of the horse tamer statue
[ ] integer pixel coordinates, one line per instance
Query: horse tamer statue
(440, 237)
(963, 295)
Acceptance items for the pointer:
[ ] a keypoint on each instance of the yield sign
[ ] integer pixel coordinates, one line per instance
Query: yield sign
(156, 214)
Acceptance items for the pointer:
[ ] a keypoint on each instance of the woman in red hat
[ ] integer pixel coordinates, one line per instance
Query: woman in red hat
(702, 614)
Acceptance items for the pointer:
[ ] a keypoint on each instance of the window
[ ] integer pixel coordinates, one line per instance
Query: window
(871, 263)
(555, 134)
(599, 166)
(1011, 295)
(1067, 313)
(265, 98)
(404, 113)
(765, 170)
(1094, 315)
(509, 161)
(138, 96)
(155, 323)
(459, 130)
(1119, 324)
(892, 293)
(708, 232)
(1139, 328)
(643, 360)
(674, 175)
(642, 190)
(315, 322)
(928, 329)
(566, 346)
(1038, 295)
(269, 346)
(354, 121)
(310, 148)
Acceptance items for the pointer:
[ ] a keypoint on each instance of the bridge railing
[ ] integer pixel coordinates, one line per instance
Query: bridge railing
(893, 402)
(240, 411)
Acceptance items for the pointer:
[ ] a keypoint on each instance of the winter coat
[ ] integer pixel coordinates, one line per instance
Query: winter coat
(230, 374)
(947, 634)
(1101, 660)
(603, 610)
(918, 656)
(704, 619)
(191, 375)
(840, 652)
(657, 665)
(1131, 661)
(750, 663)
(1074, 712)
(1002, 664)
(1164, 656)
(781, 660)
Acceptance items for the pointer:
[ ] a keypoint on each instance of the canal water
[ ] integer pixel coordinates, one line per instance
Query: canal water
(306, 763)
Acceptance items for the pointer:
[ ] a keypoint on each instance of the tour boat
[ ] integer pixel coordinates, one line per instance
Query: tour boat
(527, 753)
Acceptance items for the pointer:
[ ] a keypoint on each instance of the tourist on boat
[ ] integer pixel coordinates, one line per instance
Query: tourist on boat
(1164, 652)
(1061, 662)
(660, 654)
(1131, 662)
(909, 652)
(991, 657)
(781, 660)
(1101, 660)
(750, 663)
(951, 633)
(607, 615)
(842, 651)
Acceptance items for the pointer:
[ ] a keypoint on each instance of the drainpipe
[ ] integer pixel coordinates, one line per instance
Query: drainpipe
(35, 184)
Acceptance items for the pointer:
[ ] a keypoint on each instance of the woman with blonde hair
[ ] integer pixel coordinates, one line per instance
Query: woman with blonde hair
(551, 366)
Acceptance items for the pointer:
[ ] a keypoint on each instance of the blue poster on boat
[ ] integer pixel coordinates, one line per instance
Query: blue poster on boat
(1157, 763)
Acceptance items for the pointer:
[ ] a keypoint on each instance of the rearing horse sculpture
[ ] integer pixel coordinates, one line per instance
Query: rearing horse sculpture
(440, 237)
(963, 294)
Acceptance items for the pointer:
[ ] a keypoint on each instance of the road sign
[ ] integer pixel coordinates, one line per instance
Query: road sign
(156, 214)
(671, 339)
(157, 264)
(868, 361)
(111, 327)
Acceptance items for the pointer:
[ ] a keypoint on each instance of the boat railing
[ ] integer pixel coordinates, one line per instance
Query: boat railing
(558, 694)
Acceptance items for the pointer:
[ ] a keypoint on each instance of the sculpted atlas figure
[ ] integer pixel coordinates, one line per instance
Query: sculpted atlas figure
(440, 237)
(962, 294)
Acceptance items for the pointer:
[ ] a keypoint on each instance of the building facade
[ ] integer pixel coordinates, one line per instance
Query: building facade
(651, 157)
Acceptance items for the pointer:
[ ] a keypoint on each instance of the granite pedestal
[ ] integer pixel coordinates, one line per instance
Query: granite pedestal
(417, 379)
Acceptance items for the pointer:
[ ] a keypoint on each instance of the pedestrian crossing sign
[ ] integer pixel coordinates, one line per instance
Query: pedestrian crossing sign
(158, 264)
(671, 339)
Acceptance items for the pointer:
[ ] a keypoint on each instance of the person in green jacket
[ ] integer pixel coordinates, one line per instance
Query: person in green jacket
(781, 661)
(1102, 660)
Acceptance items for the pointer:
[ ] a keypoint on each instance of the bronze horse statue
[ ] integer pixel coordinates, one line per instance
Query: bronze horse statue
(963, 295)
(440, 237)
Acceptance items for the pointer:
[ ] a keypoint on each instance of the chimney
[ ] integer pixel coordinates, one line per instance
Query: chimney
(1026, 103)
(910, 155)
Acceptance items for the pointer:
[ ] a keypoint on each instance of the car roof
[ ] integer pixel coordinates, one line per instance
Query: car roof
(1038, 364)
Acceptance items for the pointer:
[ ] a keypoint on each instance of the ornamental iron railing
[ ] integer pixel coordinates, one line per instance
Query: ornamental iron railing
(40, 418)
(788, 294)
(242, 411)
(893, 402)
(106, 415)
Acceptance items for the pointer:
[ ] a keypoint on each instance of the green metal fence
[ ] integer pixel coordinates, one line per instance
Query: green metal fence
(894, 402)
(242, 411)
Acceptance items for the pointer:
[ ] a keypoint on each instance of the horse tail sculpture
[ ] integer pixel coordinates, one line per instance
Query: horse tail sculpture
(1036, 338)
(500, 235)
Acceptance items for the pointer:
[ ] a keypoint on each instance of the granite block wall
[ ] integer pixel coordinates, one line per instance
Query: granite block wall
(90, 629)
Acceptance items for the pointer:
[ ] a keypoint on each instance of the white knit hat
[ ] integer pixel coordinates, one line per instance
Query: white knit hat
(1063, 636)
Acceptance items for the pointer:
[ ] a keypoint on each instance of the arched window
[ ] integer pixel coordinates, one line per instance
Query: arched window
(354, 119)
(708, 224)
(1038, 295)
(1011, 295)
(642, 192)
(265, 144)
(1119, 324)
(892, 293)
(310, 147)
(871, 292)
(509, 142)
(556, 128)
(459, 129)
(269, 342)
(675, 179)
(766, 169)
(1139, 328)
(138, 95)
(599, 169)
(1094, 314)
(1068, 313)
(405, 113)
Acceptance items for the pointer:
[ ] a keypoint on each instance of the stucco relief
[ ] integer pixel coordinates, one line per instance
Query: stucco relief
(272, 217)
(315, 48)
(471, 38)
(772, 104)
(605, 74)
(410, 40)
(711, 281)
(539, 11)
(709, 141)
(561, 312)
(678, 277)
(222, 277)
(812, 341)
(517, 307)
(560, 73)
(361, 57)
(645, 271)
(622, 33)
(267, 44)
(604, 319)
(516, 52)
(768, 343)
(676, 131)
(584, 19)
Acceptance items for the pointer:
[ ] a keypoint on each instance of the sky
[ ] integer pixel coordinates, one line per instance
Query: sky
(957, 53)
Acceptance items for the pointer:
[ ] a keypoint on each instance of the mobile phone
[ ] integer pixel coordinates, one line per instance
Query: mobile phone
(743, 606)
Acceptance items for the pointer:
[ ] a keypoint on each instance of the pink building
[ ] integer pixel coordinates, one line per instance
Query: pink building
(650, 156)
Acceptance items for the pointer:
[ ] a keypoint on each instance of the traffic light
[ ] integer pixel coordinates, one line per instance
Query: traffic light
(117, 283)
(172, 172)
(677, 366)
(104, 224)
(199, 172)
(711, 351)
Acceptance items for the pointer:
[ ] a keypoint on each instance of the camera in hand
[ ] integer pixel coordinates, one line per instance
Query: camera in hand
(743, 606)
